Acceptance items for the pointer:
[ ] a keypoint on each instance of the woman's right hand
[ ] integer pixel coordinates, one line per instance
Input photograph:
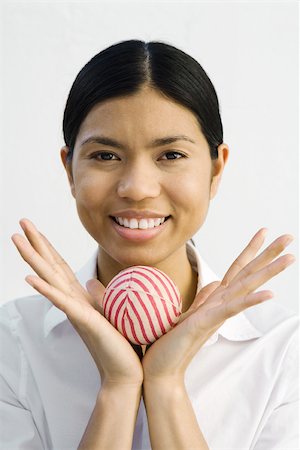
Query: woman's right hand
(114, 357)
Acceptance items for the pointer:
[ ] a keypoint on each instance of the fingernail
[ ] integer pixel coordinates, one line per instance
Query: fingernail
(288, 239)
(269, 295)
(291, 258)
(264, 231)
(29, 280)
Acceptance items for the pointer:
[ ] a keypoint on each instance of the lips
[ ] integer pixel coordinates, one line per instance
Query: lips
(138, 234)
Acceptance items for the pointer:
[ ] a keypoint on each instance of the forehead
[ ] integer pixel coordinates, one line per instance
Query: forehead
(146, 114)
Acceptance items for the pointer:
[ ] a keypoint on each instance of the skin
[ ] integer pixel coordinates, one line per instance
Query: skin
(141, 178)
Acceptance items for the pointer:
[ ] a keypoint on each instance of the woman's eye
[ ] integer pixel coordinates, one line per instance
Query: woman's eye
(173, 155)
(107, 156)
(103, 156)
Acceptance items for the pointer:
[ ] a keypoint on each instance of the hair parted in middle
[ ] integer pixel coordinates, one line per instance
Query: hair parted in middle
(125, 67)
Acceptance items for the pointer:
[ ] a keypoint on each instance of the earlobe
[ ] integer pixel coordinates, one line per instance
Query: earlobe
(68, 167)
(218, 167)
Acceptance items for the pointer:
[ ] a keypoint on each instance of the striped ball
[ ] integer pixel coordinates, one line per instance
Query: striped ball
(143, 303)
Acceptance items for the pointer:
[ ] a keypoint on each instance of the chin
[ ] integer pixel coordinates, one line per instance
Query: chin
(139, 257)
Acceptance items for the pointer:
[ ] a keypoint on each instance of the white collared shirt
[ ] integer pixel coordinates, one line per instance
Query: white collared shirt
(242, 383)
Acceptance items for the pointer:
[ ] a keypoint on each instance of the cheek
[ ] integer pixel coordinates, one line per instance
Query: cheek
(91, 194)
(192, 197)
(193, 190)
(90, 189)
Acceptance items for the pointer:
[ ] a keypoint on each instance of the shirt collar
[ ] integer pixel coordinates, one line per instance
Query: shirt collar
(237, 328)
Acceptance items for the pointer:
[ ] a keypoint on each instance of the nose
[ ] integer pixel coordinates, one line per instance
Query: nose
(139, 182)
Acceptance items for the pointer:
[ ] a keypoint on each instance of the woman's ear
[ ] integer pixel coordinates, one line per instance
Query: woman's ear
(217, 168)
(68, 167)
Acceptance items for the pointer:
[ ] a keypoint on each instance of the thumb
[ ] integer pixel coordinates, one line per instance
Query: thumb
(96, 290)
(200, 298)
(204, 293)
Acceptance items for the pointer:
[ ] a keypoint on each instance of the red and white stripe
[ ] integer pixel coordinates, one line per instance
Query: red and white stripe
(143, 303)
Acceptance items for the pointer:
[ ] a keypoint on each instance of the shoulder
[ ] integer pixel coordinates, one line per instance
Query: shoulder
(25, 306)
(21, 321)
(25, 313)
(279, 328)
(270, 316)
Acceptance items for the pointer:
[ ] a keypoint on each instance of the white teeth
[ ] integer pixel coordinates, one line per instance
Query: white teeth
(143, 224)
(133, 223)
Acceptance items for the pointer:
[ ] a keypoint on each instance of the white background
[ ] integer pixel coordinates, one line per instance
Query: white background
(250, 52)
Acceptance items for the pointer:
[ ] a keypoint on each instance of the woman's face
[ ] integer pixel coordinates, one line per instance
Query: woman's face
(138, 159)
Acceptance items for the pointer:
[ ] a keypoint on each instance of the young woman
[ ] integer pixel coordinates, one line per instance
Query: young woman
(144, 155)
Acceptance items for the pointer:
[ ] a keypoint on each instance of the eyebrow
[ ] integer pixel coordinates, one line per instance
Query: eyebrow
(113, 143)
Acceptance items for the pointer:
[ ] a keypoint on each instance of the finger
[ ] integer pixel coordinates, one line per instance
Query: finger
(268, 255)
(200, 299)
(35, 239)
(36, 262)
(244, 302)
(218, 315)
(246, 256)
(250, 283)
(58, 298)
(73, 309)
(45, 270)
(203, 294)
(41, 244)
(96, 290)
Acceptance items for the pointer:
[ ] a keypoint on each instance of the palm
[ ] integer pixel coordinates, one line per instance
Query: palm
(215, 303)
(113, 355)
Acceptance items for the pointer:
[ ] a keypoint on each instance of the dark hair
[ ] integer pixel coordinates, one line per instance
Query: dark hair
(123, 68)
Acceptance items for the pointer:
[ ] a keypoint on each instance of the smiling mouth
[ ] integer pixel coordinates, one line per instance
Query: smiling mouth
(141, 224)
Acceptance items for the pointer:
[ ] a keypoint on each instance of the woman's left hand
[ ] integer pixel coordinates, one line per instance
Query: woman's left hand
(169, 356)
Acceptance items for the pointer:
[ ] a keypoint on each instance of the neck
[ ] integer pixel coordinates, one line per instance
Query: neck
(176, 266)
